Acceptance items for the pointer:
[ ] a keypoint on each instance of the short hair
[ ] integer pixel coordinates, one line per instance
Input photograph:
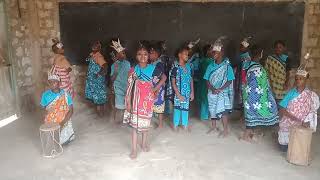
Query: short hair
(255, 50)
(279, 42)
(181, 49)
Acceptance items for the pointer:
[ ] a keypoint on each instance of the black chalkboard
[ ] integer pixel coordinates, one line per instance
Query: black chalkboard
(177, 22)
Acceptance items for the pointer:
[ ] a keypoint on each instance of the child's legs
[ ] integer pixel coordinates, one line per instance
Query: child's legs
(134, 139)
(225, 122)
(185, 118)
(176, 117)
(145, 145)
(160, 116)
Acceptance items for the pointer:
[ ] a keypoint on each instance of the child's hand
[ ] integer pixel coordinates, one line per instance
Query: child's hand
(306, 124)
(191, 97)
(181, 98)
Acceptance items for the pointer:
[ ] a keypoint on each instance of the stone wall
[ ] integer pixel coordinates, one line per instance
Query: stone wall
(31, 33)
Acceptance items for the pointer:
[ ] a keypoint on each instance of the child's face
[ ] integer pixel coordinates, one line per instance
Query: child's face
(217, 55)
(279, 49)
(54, 84)
(184, 55)
(300, 81)
(121, 55)
(142, 56)
(154, 55)
(242, 48)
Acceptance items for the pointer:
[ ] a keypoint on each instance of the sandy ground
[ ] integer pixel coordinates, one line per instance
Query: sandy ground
(101, 151)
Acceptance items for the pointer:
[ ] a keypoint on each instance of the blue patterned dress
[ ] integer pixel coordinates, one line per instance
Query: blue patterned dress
(183, 77)
(218, 75)
(95, 89)
(159, 100)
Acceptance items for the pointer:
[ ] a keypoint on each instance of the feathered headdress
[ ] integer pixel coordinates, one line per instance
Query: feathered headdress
(218, 44)
(116, 45)
(57, 43)
(302, 68)
(245, 42)
(191, 44)
(52, 76)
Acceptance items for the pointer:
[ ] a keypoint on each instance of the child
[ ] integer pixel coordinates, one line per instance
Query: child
(182, 84)
(95, 89)
(119, 77)
(155, 52)
(202, 92)
(59, 108)
(278, 67)
(260, 107)
(61, 67)
(298, 108)
(219, 76)
(139, 99)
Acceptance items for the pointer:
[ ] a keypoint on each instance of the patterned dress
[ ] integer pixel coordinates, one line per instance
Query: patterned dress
(277, 67)
(218, 75)
(121, 82)
(302, 105)
(260, 107)
(202, 92)
(95, 89)
(183, 77)
(140, 97)
(57, 106)
(60, 67)
(159, 104)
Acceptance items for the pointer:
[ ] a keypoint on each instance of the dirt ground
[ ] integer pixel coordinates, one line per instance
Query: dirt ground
(101, 151)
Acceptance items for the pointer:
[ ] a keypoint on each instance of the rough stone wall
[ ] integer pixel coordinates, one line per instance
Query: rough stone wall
(30, 38)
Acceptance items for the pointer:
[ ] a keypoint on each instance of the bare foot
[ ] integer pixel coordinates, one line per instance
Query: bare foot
(213, 130)
(246, 139)
(223, 134)
(146, 148)
(133, 155)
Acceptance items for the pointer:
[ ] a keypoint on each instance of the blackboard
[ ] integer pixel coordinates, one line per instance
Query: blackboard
(81, 23)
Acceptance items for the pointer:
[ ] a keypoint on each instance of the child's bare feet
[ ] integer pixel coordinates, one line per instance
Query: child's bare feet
(133, 155)
(213, 130)
(223, 134)
(146, 148)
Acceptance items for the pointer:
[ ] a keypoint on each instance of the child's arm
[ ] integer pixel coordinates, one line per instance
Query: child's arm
(192, 91)
(225, 85)
(176, 91)
(161, 82)
(68, 116)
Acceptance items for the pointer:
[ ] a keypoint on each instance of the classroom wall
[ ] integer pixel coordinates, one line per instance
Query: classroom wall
(32, 24)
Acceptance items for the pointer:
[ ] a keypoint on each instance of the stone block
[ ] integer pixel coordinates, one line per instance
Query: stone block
(312, 42)
(45, 52)
(43, 32)
(42, 42)
(25, 61)
(14, 41)
(314, 19)
(19, 34)
(28, 71)
(49, 23)
(316, 8)
(23, 4)
(43, 13)
(39, 4)
(27, 82)
(13, 22)
(48, 5)
(19, 52)
(315, 53)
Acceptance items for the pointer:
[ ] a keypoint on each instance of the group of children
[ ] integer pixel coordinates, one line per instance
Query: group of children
(155, 84)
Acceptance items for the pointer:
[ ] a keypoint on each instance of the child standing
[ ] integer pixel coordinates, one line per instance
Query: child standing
(140, 97)
(119, 77)
(182, 84)
(219, 76)
(155, 52)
